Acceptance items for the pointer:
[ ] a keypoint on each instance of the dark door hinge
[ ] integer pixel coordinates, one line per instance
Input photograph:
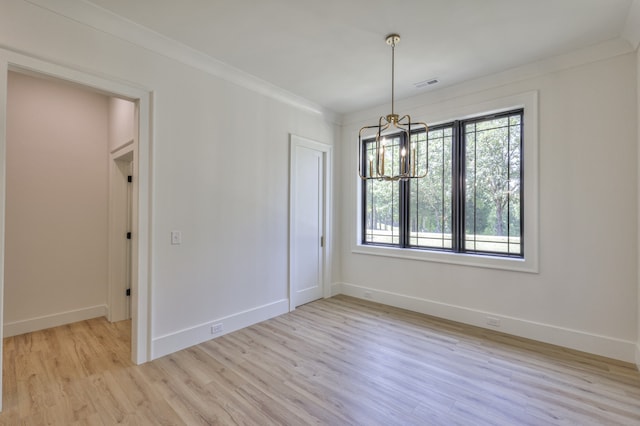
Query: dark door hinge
(129, 179)
(128, 235)
(128, 292)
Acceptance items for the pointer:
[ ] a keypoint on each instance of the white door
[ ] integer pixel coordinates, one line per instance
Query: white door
(129, 248)
(120, 235)
(308, 177)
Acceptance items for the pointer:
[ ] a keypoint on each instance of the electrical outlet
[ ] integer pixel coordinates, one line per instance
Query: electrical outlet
(217, 328)
(493, 321)
(176, 237)
(368, 295)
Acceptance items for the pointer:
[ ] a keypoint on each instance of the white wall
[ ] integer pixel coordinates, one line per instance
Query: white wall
(121, 122)
(56, 215)
(220, 175)
(585, 294)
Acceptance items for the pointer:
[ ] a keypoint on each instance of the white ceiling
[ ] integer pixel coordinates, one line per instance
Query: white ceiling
(333, 53)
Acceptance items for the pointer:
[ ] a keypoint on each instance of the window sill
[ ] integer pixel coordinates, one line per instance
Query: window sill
(464, 259)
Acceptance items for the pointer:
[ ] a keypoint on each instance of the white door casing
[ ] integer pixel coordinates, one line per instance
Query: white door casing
(309, 189)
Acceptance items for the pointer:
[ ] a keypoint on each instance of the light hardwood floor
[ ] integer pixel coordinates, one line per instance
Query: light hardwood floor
(339, 361)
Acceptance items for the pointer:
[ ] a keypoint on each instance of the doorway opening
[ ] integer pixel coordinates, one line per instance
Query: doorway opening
(139, 153)
(67, 175)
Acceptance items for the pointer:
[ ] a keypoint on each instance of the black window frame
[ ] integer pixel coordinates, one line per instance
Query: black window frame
(458, 191)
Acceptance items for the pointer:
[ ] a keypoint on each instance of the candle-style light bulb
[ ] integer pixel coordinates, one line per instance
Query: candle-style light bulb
(371, 165)
(403, 160)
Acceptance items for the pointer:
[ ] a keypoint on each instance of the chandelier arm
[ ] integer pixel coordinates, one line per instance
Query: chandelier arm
(361, 152)
(426, 159)
(404, 117)
(380, 148)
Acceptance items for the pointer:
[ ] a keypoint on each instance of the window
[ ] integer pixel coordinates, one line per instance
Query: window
(470, 201)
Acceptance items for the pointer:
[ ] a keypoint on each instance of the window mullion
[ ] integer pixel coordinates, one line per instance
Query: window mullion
(458, 187)
(404, 212)
(521, 198)
(363, 200)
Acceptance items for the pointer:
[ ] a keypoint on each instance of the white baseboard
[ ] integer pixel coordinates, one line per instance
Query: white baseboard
(173, 342)
(638, 356)
(620, 349)
(15, 328)
(336, 288)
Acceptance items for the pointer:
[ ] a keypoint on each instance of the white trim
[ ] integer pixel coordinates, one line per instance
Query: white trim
(15, 328)
(181, 339)
(327, 150)
(336, 288)
(610, 347)
(462, 259)
(141, 324)
(638, 356)
(4, 70)
(122, 149)
(115, 25)
(528, 101)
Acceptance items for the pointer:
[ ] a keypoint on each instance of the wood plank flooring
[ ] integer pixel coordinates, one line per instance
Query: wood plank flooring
(340, 361)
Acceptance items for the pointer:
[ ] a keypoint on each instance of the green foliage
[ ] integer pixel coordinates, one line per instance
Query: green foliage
(493, 175)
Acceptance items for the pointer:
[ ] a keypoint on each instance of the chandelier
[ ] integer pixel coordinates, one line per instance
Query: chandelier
(395, 148)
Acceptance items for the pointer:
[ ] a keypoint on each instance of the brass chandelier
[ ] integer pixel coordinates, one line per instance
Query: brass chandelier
(392, 150)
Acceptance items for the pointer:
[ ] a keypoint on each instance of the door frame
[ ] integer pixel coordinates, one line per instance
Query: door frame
(121, 214)
(327, 152)
(141, 309)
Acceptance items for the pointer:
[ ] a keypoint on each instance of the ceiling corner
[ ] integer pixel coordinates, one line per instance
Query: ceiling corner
(631, 30)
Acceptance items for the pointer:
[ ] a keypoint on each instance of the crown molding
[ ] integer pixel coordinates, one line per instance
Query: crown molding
(105, 21)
